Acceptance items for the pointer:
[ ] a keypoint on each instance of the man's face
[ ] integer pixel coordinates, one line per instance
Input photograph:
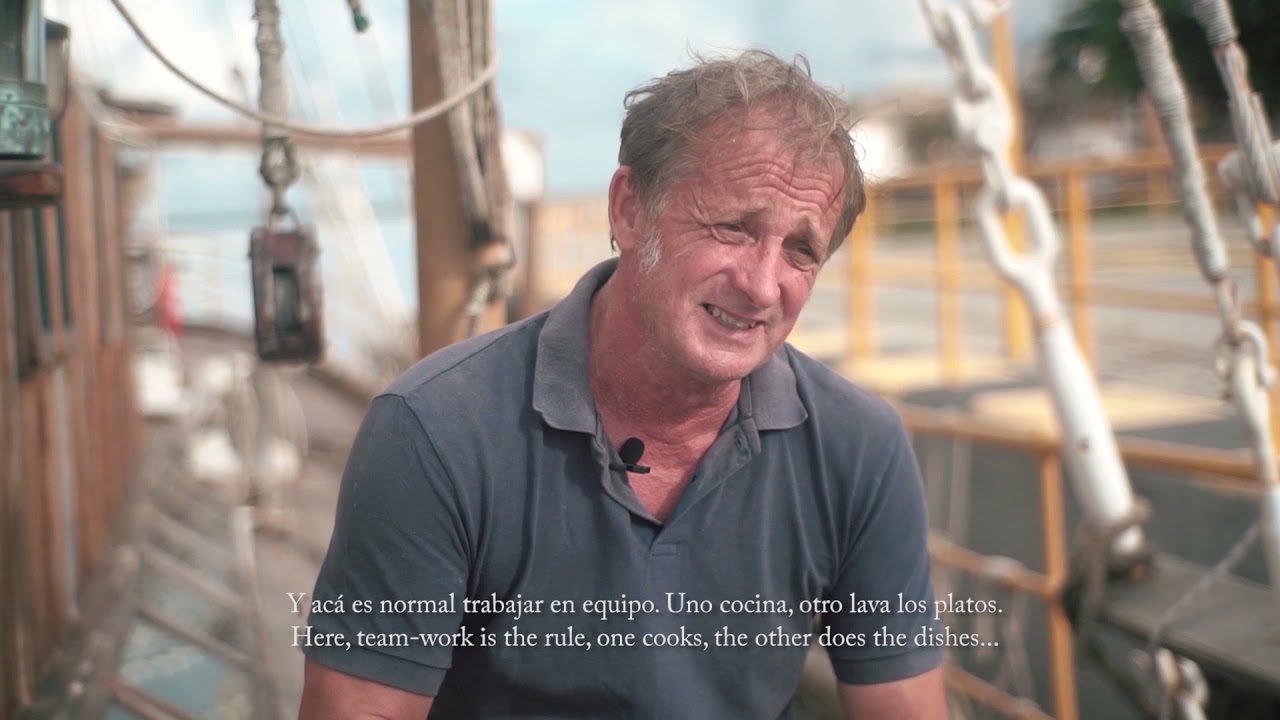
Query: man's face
(742, 240)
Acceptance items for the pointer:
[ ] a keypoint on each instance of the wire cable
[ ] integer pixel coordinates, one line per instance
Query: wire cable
(417, 118)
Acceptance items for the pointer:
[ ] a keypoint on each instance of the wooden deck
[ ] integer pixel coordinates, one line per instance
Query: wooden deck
(188, 615)
(1230, 628)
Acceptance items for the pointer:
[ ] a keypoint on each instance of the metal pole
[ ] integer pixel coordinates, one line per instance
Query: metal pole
(443, 239)
(862, 295)
(1268, 310)
(1078, 265)
(950, 319)
(1054, 538)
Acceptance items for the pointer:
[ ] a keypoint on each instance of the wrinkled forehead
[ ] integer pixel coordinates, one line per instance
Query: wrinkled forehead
(764, 131)
(764, 156)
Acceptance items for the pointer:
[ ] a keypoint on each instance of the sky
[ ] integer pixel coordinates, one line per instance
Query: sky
(565, 64)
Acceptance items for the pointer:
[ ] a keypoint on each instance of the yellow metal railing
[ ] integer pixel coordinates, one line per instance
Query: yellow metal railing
(934, 197)
(573, 235)
(1223, 470)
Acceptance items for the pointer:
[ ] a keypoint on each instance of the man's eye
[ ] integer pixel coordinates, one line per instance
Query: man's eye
(731, 227)
(805, 256)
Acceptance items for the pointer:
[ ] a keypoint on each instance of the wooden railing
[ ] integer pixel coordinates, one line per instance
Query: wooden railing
(70, 437)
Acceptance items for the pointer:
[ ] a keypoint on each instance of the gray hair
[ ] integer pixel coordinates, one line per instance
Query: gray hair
(650, 250)
(666, 121)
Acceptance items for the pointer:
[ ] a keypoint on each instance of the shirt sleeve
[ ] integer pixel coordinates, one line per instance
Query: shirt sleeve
(398, 536)
(887, 559)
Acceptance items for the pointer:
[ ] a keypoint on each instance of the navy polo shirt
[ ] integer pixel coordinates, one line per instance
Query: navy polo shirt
(486, 553)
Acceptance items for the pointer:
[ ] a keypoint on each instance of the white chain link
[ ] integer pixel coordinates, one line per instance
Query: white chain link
(985, 120)
(1179, 688)
(1014, 670)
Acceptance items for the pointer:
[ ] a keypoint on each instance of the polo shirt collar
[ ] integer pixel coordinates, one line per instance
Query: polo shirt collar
(562, 394)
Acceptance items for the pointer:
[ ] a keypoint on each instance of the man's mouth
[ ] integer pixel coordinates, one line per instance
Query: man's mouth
(728, 320)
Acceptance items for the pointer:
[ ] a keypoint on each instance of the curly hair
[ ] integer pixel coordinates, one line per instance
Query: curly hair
(667, 121)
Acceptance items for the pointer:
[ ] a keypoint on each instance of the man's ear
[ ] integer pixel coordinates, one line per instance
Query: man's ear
(626, 210)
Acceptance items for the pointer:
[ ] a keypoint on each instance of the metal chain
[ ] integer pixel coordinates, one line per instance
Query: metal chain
(465, 29)
(984, 119)
(279, 167)
(1013, 672)
(1164, 684)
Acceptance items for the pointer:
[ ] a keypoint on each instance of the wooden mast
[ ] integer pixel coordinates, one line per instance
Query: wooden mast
(444, 257)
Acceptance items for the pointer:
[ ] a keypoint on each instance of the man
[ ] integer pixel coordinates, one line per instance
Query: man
(564, 578)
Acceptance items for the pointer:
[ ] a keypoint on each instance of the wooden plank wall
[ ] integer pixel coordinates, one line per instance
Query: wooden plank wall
(69, 432)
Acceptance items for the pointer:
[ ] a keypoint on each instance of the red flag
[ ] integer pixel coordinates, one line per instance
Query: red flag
(168, 315)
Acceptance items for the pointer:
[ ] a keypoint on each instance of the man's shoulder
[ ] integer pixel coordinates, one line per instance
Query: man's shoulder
(466, 367)
(827, 393)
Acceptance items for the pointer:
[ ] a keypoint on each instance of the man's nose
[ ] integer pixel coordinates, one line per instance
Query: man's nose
(757, 274)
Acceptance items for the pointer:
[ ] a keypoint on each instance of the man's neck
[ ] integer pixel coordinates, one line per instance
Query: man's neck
(639, 391)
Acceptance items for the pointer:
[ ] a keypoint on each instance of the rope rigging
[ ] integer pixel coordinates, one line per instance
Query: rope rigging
(469, 64)
(1243, 352)
(463, 32)
(1252, 173)
(333, 184)
(1249, 173)
(481, 79)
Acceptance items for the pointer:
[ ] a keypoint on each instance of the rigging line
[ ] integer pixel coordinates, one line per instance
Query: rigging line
(1225, 565)
(381, 93)
(417, 118)
(104, 56)
(227, 38)
(353, 207)
(89, 88)
(303, 26)
(374, 68)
